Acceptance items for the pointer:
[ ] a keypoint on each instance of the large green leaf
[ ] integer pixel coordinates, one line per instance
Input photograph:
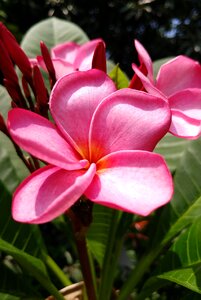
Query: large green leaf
(51, 31)
(182, 263)
(12, 168)
(158, 63)
(15, 286)
(31, 265)
(24, 237)
(172, 149)
(98, 232)
(12, 172)
(185, 206)
(185, 251)
(189, 277)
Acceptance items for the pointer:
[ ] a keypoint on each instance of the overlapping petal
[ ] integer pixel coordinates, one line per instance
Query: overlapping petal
(49, 192)
(184, 126)
(84, 57)
(133, 181)
(179, 82)
(73, 102)
(186, 113)
(62, 67)
(145, 59)
(128, 120)
(178, 74)
(66, 51)
(40, 137)
(188, 102)
(148, 85)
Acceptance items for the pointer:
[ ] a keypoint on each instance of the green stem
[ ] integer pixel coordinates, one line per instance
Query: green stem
(107, 276)
(93, 273)
(56, 270)
(85, 266)
(78, 220)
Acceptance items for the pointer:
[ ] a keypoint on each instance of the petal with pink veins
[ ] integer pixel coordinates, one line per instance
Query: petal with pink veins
(49, 192)
(73, 101)
(178, 74)
(40, 137)
(184, 126)
(128, 120)
(133, 181)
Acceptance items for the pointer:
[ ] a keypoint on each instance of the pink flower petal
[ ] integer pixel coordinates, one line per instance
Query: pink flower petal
(145, 59)
(188, 102)
(134, 181)
(49, 192)
(62, 67)
(40, 137)
(184, 126)
(178, 74)
(66, 51)
(128, 120)
(148, 85)
(74, 100)
(84, 57)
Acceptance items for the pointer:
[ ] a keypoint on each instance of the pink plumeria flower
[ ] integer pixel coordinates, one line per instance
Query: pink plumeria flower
(70, 57)
(179, 82)
(99, 147)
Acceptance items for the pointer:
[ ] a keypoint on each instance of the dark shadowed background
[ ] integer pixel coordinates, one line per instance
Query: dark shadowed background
(165, 27)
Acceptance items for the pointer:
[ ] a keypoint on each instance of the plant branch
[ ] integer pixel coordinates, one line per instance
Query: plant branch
(80, 238)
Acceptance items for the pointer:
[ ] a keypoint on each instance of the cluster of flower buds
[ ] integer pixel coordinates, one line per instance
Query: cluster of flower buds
(31, 84)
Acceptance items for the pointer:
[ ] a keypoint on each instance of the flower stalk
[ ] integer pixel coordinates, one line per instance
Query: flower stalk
(81, 216)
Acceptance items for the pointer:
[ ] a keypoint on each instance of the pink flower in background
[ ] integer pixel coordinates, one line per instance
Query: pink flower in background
(99, 146)
(69, 57)
(178, 81)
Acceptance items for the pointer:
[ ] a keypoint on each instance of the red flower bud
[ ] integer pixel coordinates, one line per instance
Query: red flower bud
(15, 93)
(41, 92)
(16, 53)
(6, 65)
(99, 58)
(48, 61)
(135, 82)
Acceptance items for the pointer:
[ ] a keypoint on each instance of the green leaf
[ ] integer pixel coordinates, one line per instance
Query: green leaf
(188, 277)
(32, 265)
(12, 168)
(185, 206)
(182, 262)
(172, 149)
(119, 77)
(158, 63)
(98, 231)
(15, 286)
(185, 251)
(51, 31)
(25, 237)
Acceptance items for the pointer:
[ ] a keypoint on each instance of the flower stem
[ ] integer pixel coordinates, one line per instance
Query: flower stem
(80, 230)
